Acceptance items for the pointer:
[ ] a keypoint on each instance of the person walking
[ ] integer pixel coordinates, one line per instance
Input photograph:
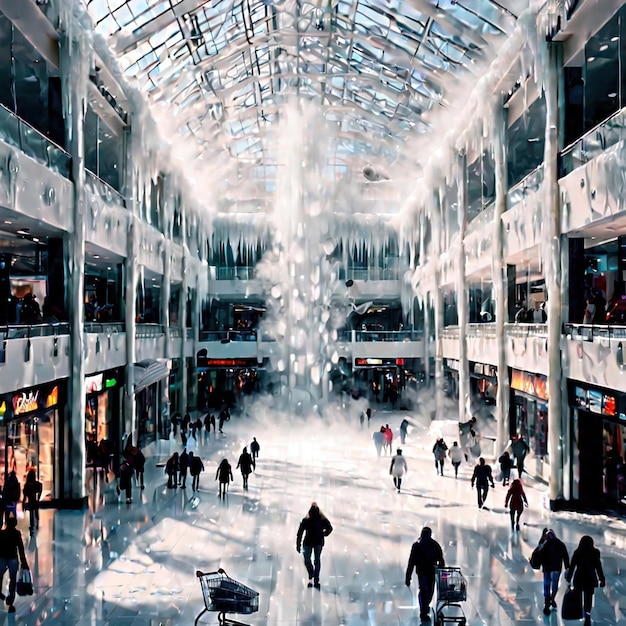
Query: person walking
(11, 545)
(245, 463)
(207, 427)
(515, 500)
(255, 448)
(183, 467)
(126, 479)
(506, 464)
(456, 457)
(520, 449)
(426, 555)
(553, 556)
(387, 438)
(368, 414)
(482, 477)
(439, 450)
(404, 429)
(32, 494)
(224, 417)
(313, 529)
(398, 469)
(586, 571)
(379, 440)
(11, 493)
(171, 469)
(195, 468)
(140, 467)
(224, 474)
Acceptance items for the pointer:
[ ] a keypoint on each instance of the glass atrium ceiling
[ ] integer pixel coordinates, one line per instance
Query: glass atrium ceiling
(377, 67)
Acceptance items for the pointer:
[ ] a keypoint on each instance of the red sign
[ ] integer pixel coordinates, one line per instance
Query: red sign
(231, 362)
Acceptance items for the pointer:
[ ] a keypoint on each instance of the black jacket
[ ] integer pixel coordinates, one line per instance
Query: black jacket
(314, 531)
(426, 555)
(11, 543)
(586, 569)
(482, 475)
(553, 555)
(245, 463)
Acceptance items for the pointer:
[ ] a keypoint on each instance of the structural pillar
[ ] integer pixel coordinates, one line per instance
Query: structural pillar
(498, 272)
(74, 67)
(183, 403)
(461, 291)
(438, 306)
(551, 244)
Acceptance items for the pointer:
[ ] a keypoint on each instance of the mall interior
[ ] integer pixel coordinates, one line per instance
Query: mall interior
(409, 205)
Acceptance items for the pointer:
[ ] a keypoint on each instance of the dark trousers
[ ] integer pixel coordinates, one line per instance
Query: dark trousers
(11, 565)
(456, 464)
(397, 481)
(245, 480)
(588, 599)
(427, 589)
(195, 482)
(33, 511)
(482, 491)
(183, 478)
(313, 569)
(139, 478)
(439, 466)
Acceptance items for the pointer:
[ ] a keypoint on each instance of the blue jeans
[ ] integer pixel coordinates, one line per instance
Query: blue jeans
(312, 569)
(11, 565)
(426, 584)
(550, 584)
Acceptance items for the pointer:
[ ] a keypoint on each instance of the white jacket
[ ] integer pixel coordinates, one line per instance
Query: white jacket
(398, 466)
(456, 454)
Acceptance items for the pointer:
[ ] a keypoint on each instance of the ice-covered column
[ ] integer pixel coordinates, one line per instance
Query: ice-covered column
(461, 290)
(551, 253)
(438, 304)
(425, 300)
(498, 271)
(130, 288)
(182, 370)
(166, 281)
(74, 58)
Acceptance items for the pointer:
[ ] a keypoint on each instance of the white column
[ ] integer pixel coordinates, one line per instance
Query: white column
(498, 270)
(183, 403)
(74, 58)
(438, 305)
(551, 252)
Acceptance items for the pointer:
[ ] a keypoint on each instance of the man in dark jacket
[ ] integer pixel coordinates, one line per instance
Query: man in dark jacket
(426, 555)
(11, 544)
(314, 528)
(183, 466)
(553, 557)
(482, 477)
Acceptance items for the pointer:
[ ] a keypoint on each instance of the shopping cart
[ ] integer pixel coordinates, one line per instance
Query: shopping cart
(225, 595)
(451, 589)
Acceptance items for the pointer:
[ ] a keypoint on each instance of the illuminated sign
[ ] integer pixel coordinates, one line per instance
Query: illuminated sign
(53, 397)
(204, 362)
(25, 402)
(372, 361)
(93, 383)
(533, 384)
(110, 382)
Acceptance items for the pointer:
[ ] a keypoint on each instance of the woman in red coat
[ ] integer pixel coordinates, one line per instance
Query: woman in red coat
(516, 500)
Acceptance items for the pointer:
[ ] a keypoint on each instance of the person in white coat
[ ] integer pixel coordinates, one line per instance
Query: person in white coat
(456, 456)
(398, 469)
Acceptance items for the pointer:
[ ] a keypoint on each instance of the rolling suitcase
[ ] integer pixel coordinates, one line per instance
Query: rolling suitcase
(572, 607)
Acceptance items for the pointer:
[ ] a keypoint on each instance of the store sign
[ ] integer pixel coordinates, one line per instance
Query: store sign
(595, 401)
(93, 384)
(25, 402)
(110, 382)
(533, 384)
(371, 361)
(53, 397)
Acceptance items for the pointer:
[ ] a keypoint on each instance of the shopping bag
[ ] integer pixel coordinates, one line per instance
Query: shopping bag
(24, 586)
(572, 606)
(535, 558)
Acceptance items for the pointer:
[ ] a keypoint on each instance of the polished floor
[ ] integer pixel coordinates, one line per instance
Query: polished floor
(135, 564)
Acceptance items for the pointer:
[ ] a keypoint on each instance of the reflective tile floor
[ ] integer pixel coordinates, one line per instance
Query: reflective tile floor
(135, 564)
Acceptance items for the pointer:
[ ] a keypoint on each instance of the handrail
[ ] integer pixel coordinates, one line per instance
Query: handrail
(381, 335)
(106, 327)
(17, 132)
(25, 331)
(526, 330)
(531, 182)
(588, 332)
(103, 189)
(228, 335)
(145, 331)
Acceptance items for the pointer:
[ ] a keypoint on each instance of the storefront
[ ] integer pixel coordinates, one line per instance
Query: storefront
(451, 377)
(529, 417)
(483, 382)
(30, 438)
(103, 402)
(598, 445)
(151, 401)
(224, 381)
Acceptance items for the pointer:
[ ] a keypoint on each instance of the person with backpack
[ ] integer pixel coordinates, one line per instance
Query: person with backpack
(171, 469)
(506, 464)
(585, 572)
(11, 545)
(224, 474)
(195, 467)
(313, 529)
(552, 556)
(11, 493)
(32, 494)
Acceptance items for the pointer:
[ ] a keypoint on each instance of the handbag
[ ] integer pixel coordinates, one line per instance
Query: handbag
(24, 585)
(572, 606)
(535, 558)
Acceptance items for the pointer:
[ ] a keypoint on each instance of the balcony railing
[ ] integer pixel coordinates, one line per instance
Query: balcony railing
(103, 189)
(594, 142)
(19, 134)
(529, 184)
(380, 335)
(233, 273)
(21, 331)
(526, 330)
(227, 335)
(588, 332)
(370, 273)
(108, 328)
(488, 331)
(147, 331)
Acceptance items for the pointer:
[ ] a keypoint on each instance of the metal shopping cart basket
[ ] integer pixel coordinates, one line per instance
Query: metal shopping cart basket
(451, 590)
(225, 595)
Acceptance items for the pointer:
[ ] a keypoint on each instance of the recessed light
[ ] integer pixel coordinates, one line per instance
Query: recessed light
(8, 222)
(36, 239)
(615, 38)
(613, 94)
(604, 47)
(591, 59)
(23, 231)
(96, 256)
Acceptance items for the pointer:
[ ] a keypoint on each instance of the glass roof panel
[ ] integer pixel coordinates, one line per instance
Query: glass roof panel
(227, 66)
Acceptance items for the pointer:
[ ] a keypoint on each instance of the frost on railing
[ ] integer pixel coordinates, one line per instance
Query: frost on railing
(481, 220)
(147, 331)
(21, 135)
(526, 330)
(594, 142)
(19, 331)
(529, 184)
(109, 328)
